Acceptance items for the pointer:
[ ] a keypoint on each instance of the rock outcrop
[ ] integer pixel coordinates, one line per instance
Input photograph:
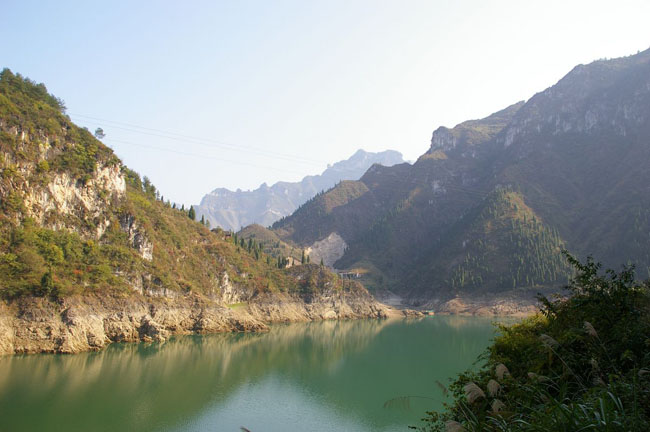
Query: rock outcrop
(329, 249)
(137, 238)
(504, 304)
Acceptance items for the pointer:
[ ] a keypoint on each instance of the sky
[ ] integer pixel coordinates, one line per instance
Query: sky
(198, 95)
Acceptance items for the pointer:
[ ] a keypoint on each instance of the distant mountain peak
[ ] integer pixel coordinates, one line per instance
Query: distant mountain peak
(267, 204)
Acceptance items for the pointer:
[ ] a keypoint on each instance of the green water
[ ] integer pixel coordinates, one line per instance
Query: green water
(325, 376)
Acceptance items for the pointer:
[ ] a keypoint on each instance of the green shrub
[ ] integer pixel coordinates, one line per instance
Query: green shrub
(582, 364)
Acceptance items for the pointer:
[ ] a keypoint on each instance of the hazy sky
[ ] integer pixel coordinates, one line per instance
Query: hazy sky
(199, 95)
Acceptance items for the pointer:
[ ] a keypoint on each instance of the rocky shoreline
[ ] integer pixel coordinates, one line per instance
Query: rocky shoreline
(514, 304)
(84, 323)
(507, 304)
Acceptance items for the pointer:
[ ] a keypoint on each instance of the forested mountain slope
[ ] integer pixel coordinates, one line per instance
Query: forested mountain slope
(89, 253)
(489, 206)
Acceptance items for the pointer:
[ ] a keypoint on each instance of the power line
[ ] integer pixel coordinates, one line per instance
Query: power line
(200, 156)
(211, 143)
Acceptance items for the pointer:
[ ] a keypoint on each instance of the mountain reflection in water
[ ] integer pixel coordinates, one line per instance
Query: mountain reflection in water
(315, 376)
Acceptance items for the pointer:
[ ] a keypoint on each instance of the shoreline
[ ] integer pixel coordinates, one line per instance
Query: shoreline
(90, 323)
(86, 323)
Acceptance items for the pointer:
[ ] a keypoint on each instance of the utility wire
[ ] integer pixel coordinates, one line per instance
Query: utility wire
(200, 156)
(200, 141)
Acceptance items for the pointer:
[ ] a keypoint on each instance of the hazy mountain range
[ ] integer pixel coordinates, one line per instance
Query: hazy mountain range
(233, 210)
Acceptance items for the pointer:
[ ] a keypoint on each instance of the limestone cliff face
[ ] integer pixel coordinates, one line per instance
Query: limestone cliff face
(329, 249)
(55, 198)
(68, 197)
(137, 238)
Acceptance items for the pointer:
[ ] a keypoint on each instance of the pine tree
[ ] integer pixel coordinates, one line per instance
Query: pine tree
(191, 214)
(302, 259)
(202, 220)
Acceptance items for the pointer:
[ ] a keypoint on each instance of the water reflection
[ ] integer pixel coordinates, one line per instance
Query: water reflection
(339, 370)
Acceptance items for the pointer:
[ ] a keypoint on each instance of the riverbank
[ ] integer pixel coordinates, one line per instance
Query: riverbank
(83, 323)
(506, 304)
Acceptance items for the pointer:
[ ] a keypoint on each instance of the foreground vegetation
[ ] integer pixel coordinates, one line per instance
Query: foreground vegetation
(582, 364)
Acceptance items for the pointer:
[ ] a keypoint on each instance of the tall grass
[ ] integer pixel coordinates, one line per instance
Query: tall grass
(582, 364)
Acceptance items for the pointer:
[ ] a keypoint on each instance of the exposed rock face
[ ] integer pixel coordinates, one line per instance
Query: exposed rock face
(330, 304)
(137, 238)
(506, 304)
(329, 249)
(229, 294)
(80, 324)
(236, 209)
(66, 196)
(77, 324)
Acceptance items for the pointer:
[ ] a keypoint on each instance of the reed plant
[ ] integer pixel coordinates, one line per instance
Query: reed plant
(581, 364)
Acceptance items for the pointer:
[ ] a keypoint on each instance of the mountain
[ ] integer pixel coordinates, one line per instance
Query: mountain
(265, 205)
(490, 205)
(90, 255)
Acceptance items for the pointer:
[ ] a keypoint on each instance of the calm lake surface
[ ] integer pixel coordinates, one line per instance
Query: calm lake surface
(323, 376)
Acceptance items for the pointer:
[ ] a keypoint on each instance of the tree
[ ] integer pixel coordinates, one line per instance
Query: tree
(148, 187)
(191, 214)
(47, 284)
(302, 259)
(99, 133)
(202, 220)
